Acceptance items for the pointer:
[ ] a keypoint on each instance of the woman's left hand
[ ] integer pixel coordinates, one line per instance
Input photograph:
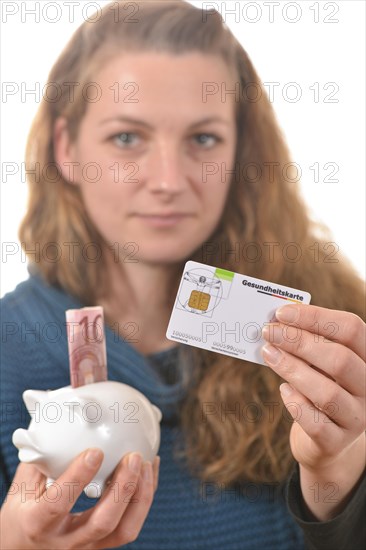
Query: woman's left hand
(322, 355)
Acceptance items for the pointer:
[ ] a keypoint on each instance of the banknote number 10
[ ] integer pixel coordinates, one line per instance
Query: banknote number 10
(90, 328)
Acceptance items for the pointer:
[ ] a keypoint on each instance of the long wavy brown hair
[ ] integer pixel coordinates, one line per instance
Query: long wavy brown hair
(265, 231)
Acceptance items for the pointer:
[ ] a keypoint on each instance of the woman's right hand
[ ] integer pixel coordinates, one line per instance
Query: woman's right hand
(35, 517)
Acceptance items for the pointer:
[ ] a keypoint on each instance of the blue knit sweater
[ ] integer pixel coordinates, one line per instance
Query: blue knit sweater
(185, 514)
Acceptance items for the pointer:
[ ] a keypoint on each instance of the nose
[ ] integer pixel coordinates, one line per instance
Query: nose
(165, 175)
(21, 438)
(28, 450)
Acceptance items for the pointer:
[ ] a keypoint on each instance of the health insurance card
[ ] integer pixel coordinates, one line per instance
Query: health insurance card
(225, 312)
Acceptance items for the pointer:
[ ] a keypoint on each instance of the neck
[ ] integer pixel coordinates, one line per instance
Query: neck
(139, 303)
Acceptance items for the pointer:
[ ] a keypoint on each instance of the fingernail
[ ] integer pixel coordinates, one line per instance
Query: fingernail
(272, 333)
(285, 389)
(147, 472)
(271, 354)
(288, 313)
(134, 462)
(93, 457)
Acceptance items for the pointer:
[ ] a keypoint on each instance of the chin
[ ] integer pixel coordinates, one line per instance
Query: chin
(168, 258)
(165, 253)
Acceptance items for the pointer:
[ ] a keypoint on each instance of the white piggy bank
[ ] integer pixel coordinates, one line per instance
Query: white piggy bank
(113, 416)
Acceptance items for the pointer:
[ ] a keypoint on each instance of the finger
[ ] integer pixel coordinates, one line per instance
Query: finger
(339, 362)
(135, 515)
(58, 498)
(341, 407)
(327, 436)
(339, 326)
(156, 467)
(28, 483)
(101, 520)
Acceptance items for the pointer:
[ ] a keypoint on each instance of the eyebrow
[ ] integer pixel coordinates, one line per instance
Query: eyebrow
(121, 118)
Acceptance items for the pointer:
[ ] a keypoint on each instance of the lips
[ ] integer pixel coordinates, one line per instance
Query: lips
(163, 215)
(163, 220)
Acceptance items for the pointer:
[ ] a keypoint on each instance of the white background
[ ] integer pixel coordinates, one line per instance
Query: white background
(308, 52)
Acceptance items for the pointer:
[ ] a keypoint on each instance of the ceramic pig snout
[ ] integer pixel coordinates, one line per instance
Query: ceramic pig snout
(28, 451)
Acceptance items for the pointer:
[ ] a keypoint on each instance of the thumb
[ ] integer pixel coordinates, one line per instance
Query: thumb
(28, 483)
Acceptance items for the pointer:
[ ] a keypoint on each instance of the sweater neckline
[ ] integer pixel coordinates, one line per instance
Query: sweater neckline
(167, 352)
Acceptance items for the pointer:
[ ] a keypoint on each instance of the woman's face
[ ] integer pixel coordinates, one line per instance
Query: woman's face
(155, 152)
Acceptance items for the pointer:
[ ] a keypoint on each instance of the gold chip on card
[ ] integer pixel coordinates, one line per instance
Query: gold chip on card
(199, 300)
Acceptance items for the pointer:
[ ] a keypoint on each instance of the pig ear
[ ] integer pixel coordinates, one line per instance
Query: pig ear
(31, 397)
(157, 413)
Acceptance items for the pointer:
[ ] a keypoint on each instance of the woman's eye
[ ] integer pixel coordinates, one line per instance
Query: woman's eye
(207, 139)
(123, 139)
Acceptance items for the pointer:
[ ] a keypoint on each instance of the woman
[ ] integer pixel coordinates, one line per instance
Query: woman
(145, 166)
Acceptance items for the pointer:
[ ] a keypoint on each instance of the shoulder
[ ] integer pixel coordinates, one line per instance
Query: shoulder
(25, 306)
(16, 301)
(36, 300)
(33, 332)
